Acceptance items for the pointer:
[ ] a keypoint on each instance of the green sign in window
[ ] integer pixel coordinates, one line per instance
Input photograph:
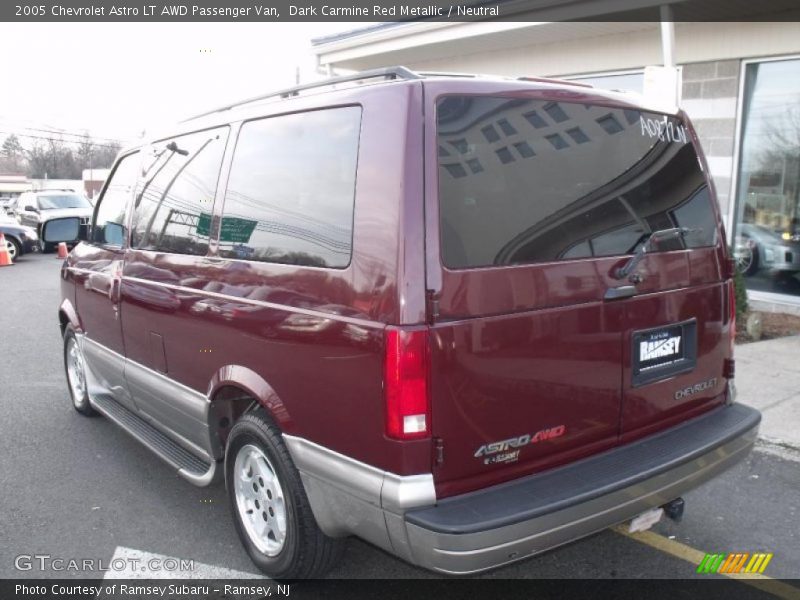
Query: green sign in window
(234, 229)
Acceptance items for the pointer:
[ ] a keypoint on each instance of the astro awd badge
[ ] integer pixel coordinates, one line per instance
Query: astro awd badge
(506, 451)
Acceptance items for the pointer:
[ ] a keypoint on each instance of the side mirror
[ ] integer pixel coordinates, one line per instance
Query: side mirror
(31, 208)
(65, 229)
(114, 234)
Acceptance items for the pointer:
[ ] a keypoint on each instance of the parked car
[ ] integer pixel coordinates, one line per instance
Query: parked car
(540, 295)
(6, 204)
(760, 248)
(19, 239)
(33, 209)
(11, 207)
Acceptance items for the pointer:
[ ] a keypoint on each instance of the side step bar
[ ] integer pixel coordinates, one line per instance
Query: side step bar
(195, 470)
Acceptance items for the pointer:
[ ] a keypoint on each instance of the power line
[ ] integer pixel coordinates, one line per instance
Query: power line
(82, 136)
(53, 139)
(45, 128)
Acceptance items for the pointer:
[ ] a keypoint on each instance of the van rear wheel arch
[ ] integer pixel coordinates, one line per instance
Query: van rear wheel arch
(228, 405)
(235, 391)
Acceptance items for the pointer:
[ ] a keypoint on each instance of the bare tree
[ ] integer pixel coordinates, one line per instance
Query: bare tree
(12, 156)
(56, 158)
(38, 159)
(782, 156)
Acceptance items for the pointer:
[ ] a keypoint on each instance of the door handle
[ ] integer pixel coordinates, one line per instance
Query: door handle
(113, 291)
(618, 293)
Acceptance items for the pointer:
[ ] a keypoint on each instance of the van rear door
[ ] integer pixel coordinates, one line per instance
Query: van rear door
(678, 334)
(529, 215)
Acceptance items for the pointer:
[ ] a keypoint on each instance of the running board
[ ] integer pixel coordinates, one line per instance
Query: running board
(195, 470)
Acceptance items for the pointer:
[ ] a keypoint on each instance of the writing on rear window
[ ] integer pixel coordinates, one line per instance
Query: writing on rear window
(664, 129)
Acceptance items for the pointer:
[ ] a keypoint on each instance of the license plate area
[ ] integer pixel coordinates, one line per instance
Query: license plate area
(662, 352)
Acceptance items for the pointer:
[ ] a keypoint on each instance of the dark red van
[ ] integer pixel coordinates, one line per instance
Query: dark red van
(465, 319)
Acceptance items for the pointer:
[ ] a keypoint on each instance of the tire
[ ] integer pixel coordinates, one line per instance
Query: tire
(14, 249)
(75, 370)
(752, 269)
(746, 256)
(256, 456)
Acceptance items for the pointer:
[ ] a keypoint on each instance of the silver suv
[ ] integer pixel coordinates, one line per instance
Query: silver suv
(34, 209)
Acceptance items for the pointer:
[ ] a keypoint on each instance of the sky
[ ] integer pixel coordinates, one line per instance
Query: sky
(118, 80)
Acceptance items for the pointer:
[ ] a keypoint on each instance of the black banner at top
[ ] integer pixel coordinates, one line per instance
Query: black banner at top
(396, 10)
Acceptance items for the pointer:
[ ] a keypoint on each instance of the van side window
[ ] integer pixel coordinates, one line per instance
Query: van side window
(291, 189)
(527, 181)
(109, 221)
(174, 198)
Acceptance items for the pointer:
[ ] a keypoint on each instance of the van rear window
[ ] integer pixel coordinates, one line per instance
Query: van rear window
(525, 181)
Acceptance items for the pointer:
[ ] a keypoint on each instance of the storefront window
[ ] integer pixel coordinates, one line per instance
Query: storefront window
(767, 232)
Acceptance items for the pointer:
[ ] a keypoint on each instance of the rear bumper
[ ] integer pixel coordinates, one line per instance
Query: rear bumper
(489, 528)
(508, 522)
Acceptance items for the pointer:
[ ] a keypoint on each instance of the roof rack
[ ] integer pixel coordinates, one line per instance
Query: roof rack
(554, 80)
(386, 73)
(447, 74)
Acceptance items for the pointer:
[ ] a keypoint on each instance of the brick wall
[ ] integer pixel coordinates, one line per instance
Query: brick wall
(710, 95)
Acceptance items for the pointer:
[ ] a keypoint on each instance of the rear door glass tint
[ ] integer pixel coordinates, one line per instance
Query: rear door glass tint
(291, 190)
(526, 181)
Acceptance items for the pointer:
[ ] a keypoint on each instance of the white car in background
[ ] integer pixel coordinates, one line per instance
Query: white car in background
(6, 204)
(34, 209)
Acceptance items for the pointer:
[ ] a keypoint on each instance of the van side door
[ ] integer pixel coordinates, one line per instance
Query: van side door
(168, 341)
(96, 267)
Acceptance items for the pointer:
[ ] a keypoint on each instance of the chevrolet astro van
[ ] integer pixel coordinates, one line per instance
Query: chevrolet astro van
(466, 319)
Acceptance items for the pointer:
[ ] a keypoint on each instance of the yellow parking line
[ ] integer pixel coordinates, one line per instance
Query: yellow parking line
(694, 556)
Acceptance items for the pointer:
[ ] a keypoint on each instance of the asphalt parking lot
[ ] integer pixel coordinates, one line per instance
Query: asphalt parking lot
(80, 488)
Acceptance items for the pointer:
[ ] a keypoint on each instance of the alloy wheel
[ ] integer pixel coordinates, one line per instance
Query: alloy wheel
(75, 373)
(260, 500)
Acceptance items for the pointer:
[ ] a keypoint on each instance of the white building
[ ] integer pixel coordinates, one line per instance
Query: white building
(11, 186)
(93, 180)
(738, 81)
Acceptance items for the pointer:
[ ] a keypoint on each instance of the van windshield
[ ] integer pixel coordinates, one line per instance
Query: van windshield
(63, 201)
(525, 181)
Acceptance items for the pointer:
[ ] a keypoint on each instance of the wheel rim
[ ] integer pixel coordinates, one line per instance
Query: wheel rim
(260, 500)
(744, 258)
(75, 373)
(12, 250)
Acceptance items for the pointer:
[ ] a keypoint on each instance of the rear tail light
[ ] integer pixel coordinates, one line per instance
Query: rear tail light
(406, 359)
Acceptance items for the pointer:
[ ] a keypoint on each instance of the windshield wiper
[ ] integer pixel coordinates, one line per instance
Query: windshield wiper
(651, 240)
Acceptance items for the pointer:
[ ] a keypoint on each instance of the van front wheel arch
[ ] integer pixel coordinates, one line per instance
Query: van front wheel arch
(270, 508)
